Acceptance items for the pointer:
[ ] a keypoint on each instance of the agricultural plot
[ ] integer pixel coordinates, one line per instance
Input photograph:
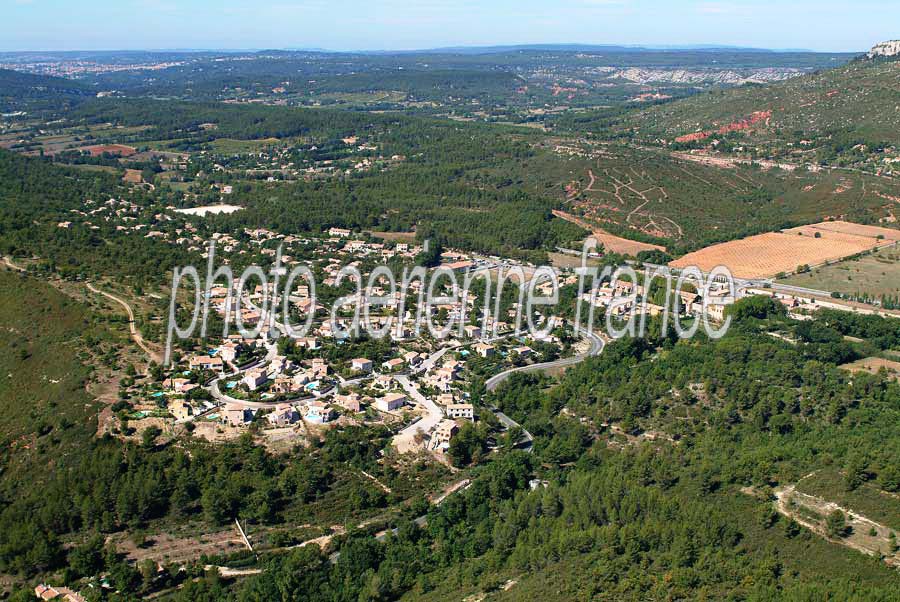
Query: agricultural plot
(611, 243)
(766, 255)
(873, 275)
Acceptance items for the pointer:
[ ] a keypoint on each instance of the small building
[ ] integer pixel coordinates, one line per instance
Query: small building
(442, 434)
(461, 410)
(284, 385)
(205, 362)
(49, 592)
(716, 312)
(361, 364)
(339, 232)
(412, 358)
(459, 266)
(179, 385)
(235, 415)
(390, 402)
(320, 368)
(283, 415)
(473, 332)
(229, 351)
(523, 351)
(392, 365)
(383, 382)
(485, 350)
(351, 402)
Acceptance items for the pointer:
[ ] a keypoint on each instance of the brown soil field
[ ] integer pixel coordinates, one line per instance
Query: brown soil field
(114, 149)
(857, 229)
(873, 365)
(611, 243)
(766, 255)
(407, 237)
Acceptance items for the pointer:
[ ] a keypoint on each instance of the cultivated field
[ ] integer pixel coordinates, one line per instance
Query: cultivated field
(610, 242)
(766, 255)
(876, 275)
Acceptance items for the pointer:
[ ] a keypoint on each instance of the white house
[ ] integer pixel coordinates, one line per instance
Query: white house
(485, 350)
(255, 378)
(361, 364)
(391, 365)
(283, 415)
(461, 410)
(319, 412)
(390, 402)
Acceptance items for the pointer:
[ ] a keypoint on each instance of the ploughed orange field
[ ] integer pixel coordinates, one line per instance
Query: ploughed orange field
(611, 243)
(766, 255)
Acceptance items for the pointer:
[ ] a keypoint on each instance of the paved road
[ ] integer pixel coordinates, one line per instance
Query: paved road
(219, 396)
(800, 290)
(597, 345)
(135, 333)
(495, 381)
(527, 440)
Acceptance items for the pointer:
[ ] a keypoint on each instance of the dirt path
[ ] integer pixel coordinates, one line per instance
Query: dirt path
(627, 183)
(8, 262)
(375, 480)
(132, 327)
(590, 187)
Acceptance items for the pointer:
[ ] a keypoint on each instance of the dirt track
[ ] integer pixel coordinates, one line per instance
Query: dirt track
(610, 242)
(132, 327)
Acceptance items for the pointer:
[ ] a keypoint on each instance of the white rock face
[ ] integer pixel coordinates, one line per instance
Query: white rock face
(696, 76)
(891, 48)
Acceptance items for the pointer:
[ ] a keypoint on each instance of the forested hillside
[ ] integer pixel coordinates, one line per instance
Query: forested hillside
(843, 116)
(614, 514)
(25, 91)
(38, 196)
(618, 514)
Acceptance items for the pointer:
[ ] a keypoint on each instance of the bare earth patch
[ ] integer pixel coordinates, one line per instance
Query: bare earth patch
(873, 365)
(865, 535)
(610, 242)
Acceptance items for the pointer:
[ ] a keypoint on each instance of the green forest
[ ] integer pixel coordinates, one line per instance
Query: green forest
(620, 518)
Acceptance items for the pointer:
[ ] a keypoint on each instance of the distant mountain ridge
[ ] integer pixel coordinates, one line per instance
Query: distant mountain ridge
(584, 48)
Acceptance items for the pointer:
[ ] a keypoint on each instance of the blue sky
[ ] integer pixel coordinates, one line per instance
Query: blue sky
(847, 25)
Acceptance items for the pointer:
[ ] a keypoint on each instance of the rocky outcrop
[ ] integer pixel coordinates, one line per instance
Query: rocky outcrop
(706, 76)
(885, 49)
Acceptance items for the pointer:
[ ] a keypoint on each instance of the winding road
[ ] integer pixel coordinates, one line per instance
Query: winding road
(527, 441)
(597, 345)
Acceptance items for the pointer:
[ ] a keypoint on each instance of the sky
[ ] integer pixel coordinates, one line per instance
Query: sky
(826, 25)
